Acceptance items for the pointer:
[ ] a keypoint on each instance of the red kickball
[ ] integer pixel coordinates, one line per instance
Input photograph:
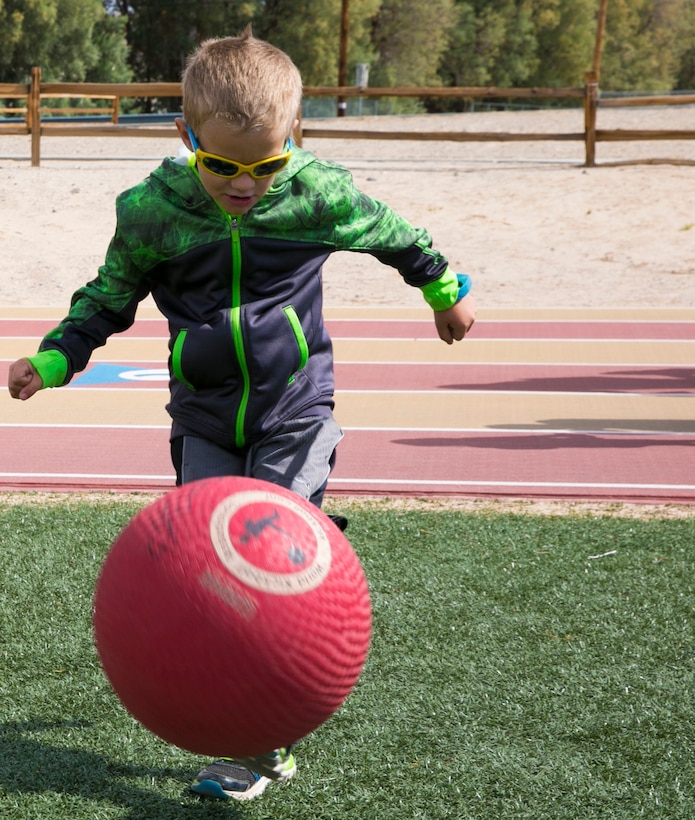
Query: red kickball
(232, 617)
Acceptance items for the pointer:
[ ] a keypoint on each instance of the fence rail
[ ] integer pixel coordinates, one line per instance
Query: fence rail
(656, 99)
(36, 92)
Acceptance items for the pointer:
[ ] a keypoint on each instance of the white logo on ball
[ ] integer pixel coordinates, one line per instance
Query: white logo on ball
(278, 583)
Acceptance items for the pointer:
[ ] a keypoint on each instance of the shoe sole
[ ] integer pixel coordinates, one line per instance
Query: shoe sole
(211, 788)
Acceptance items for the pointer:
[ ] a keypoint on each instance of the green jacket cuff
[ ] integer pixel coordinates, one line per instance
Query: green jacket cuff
(52, 366)
(447, 290)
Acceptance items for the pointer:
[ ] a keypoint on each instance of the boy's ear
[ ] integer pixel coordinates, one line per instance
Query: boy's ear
(183, 132)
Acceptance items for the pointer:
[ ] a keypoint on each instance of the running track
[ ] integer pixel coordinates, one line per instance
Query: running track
(581, 405)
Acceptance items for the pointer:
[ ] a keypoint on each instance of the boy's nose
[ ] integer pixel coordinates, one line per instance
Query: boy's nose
(244, 182)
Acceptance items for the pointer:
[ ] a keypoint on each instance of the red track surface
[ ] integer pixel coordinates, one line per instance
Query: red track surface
(562, 405)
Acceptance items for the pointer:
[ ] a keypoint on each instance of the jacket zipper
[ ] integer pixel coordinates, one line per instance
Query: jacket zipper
(237, 335)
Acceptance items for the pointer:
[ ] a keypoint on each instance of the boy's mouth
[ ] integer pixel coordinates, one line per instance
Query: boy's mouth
(239, 201)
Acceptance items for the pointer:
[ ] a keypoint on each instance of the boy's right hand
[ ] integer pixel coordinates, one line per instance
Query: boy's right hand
(23, 380)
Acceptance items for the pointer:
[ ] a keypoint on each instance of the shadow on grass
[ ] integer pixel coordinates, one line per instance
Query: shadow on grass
(28, 766)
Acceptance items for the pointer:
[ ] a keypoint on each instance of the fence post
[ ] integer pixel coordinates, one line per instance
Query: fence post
(34, 115)
(590, 103)
(600, 34)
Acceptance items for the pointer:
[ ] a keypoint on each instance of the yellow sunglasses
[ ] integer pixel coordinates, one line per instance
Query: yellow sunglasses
(221, 167)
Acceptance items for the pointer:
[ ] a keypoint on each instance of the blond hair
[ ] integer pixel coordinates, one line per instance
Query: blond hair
(243, 81)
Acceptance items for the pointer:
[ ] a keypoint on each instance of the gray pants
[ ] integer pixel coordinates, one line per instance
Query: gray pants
(298, 455)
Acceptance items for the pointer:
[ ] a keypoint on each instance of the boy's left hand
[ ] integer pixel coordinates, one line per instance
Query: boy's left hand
(453, 324)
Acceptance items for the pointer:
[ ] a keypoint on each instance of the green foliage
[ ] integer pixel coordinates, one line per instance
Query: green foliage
(550, 43)
(511, 43)
(162, 34)
(60, 36)
(522, 668)
(494, 43)
(410, 38)
(491, 43)
(646, 43)
(508, 43)
(565, 37)
(309, 31)
(111, 45)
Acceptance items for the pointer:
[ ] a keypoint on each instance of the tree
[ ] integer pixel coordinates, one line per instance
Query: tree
(646, 43)
(492, 43)
(565, 32)
(109, 39)
(58, 36)
(309, 31)
(410, 39)
(162, 33)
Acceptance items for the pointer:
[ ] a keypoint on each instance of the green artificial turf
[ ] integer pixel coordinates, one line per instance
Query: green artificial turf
(512, 674)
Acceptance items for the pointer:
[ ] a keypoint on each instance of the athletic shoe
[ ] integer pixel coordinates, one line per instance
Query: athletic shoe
(228, 778)
(340, 521)
(278, 765)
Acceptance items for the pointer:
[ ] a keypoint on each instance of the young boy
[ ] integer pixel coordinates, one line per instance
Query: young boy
(230, 242)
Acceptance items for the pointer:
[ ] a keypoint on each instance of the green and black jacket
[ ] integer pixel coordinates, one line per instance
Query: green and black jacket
(242, 295)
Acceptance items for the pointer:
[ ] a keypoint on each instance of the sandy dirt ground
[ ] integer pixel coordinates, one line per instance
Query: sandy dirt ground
(529, 223)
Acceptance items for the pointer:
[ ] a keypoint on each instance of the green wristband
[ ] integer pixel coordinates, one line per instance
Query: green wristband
(443, 293)
(52, 366)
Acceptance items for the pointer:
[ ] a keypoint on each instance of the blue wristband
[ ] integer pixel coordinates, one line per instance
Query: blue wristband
(446, 291)
(465, 284)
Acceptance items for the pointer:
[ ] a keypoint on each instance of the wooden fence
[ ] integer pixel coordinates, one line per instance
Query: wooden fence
(36, 92)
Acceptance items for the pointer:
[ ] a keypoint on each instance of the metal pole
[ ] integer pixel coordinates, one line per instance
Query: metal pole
(361, 81)
(342, 57)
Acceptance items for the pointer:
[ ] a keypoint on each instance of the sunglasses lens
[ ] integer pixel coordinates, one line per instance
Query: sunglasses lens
(220, 167)
(266, 169)
(224, 168)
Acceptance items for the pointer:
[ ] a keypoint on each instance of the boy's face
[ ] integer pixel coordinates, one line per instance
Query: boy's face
(239, 194)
